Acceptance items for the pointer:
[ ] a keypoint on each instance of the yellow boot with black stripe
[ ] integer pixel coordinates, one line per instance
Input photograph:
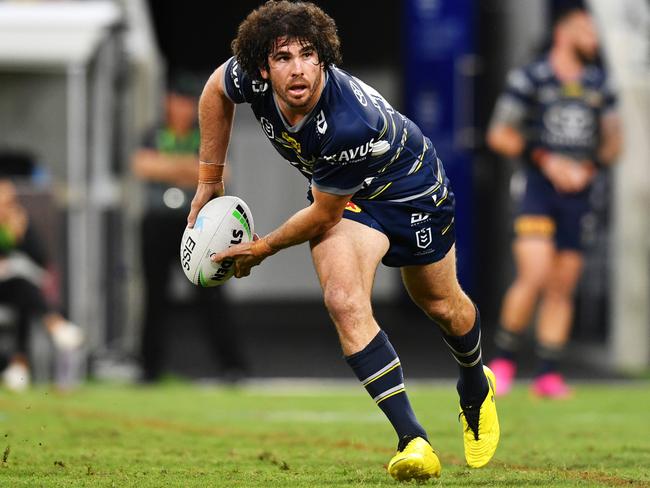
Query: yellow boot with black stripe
(415, 460)
(481, 427)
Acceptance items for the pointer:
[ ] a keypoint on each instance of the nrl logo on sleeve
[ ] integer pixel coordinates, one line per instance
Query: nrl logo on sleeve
(259, 86)
(234, 74)
(358, 93)
(351, 155)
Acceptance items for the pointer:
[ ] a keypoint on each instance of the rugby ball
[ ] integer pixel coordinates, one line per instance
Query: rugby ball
(221, 223)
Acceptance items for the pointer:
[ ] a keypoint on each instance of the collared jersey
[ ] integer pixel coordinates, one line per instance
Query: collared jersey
(352, 142)
(562, 117)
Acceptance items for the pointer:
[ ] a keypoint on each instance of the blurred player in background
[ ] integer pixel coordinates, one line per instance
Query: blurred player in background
(23, 269)
(378, 193)
(166, 162)
(559, 114)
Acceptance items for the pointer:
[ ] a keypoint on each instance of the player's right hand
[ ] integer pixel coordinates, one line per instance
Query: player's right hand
(567, 175)
(204, 193)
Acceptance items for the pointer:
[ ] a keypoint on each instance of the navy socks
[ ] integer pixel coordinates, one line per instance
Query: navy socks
(472, 384)
(508, 343)
(379, 370)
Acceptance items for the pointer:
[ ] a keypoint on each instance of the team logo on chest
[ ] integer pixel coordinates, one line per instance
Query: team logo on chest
(423, 238)
(571, 123)
(267, 127)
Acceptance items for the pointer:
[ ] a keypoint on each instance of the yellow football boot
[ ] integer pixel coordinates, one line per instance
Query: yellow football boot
(415, 460)
(481, 427)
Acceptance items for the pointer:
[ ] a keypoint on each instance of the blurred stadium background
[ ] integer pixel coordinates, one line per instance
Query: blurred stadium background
(81, 81)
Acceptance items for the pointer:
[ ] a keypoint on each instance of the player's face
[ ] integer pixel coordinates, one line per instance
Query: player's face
(296, 75)
(583, 35)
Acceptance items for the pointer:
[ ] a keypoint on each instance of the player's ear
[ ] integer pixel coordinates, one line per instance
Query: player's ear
(265, 73)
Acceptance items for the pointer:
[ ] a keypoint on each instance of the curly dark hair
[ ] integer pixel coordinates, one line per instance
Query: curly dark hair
(302, 21)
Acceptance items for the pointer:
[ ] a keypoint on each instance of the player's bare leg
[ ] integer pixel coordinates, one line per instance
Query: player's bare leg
(556, 306)
(346, 259)
(435, 289)
(555, 320)
(534, 258)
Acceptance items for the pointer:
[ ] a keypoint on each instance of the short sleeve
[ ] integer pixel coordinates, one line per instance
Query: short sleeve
(239, 87)
(339, 179)
(514, 102)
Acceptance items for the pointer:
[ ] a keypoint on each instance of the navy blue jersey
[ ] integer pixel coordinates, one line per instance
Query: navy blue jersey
(352, 142)
(563, 117)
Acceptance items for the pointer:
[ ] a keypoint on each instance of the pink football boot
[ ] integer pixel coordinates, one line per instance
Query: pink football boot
(552, 386)
(504, 371)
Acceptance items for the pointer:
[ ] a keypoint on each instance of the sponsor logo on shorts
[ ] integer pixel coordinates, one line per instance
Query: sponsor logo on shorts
(423, 238)
(417, 218)
(352, 207)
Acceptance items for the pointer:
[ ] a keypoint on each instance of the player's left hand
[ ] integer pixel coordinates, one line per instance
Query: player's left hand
(246, 255)
(204, 193)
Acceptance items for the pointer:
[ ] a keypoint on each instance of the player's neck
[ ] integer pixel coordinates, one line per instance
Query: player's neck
(566, 65)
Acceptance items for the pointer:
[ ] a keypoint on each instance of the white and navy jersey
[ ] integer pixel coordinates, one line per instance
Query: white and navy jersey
(352, 142)
(562, 117)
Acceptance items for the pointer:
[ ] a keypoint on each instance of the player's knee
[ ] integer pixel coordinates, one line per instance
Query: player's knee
(440, 311)
(559, 291)
(532, 282)
(452, 313)
(345, 307)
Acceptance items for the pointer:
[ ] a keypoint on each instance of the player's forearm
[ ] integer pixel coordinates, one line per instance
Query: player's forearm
(303, 226)
(611, 141)
(216, 113)
(506, 141)
(175, 169)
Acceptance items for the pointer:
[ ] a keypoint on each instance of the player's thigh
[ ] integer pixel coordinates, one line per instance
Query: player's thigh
(565, 272)
(346, 257)
(435, 289)
(432, 282)
(534, 258)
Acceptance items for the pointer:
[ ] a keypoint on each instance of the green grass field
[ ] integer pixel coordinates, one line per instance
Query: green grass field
(275, 436)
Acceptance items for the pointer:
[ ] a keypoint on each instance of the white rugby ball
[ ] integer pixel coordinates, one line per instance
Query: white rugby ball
(221, 223)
